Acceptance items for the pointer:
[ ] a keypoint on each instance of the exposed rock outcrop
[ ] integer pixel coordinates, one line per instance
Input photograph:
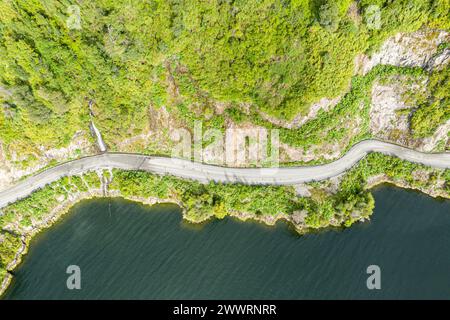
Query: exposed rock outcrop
(389, 117)
(417, 49)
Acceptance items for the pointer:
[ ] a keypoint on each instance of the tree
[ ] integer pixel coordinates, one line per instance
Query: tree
(329, 16)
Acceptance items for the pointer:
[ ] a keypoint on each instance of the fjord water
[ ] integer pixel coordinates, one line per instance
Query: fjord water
(126, 250)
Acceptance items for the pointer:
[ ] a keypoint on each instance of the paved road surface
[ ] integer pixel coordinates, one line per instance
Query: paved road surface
(204, 173)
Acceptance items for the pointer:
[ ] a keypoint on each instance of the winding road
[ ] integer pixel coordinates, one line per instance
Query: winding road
(205, 173)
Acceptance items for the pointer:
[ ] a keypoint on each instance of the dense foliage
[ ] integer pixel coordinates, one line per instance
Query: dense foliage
(126, 55)
(434, 108)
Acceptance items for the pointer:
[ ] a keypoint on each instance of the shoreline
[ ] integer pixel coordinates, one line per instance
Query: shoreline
(58, 212)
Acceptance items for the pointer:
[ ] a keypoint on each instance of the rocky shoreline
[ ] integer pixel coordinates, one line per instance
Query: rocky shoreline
(296, 219)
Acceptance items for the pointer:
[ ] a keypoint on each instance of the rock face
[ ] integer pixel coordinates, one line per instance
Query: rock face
(439, 61)
(417, 49)
(389, 114)
(384, 116)
(389, 117)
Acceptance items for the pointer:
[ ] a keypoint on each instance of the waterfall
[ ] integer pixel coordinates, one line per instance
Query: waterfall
(101, 144)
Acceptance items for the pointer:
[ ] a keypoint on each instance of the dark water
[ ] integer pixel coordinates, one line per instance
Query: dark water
(126, 250)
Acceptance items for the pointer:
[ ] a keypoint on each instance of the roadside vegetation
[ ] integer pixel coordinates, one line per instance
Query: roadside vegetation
(350, 202)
